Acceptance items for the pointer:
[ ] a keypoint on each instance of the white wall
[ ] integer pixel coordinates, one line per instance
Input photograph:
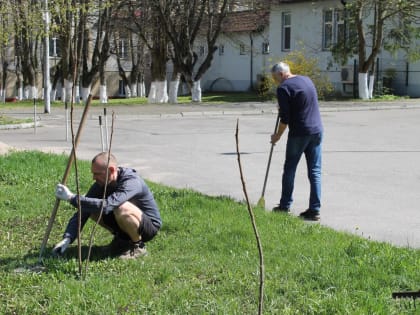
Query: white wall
(233, 69)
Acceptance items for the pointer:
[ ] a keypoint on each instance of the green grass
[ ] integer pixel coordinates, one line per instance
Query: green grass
(204, 261)
(208, 98)
(389, 97)
(6, 120)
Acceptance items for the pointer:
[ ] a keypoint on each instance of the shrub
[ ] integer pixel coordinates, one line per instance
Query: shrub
(300, 63)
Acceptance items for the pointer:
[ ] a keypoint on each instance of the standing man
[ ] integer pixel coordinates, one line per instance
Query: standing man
(129, 209)
(299, 110)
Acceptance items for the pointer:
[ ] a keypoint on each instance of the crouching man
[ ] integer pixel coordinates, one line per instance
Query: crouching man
(130, 212)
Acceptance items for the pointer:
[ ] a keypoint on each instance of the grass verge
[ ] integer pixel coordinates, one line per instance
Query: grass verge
(6, 120)
(203, 262)
(208, 98)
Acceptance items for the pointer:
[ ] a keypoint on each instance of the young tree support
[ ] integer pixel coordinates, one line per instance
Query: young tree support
(130, 211)
(298, 101)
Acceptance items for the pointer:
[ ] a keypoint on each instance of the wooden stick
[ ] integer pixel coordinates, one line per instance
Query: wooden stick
(64, 179)
(254, 225)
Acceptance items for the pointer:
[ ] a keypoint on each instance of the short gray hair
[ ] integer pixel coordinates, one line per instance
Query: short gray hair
(280, 67)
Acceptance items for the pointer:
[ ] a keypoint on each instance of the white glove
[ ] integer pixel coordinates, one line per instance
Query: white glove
(61, 247)
(63, 193)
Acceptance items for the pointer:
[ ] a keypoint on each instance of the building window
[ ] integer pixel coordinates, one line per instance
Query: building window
(334, 28)
(121, 88)
(54, 47)
(286, 31)
(242, 50)
(221, 50)
(266, 48)
(123, 48)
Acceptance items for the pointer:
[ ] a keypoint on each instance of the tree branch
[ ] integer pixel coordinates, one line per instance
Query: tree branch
(254, 226)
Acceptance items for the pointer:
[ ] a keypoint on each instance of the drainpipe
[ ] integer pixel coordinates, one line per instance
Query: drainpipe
(251, 79)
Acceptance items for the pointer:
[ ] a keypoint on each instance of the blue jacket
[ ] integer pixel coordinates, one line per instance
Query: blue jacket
(299, 108)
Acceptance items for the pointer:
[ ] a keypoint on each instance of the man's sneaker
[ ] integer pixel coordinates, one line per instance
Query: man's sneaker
(310, 215)
(137, 250)
(280, 210)
(117, 245)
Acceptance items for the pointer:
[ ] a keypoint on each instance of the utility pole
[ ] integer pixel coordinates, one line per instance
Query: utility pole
(47, 83)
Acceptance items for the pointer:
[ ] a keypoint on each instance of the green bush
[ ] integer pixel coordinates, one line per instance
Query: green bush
(302, 64)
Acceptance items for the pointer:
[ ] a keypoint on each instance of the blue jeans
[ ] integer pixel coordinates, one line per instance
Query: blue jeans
(296, 146)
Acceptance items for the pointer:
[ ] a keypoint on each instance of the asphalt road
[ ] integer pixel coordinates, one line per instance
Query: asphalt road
(371, 161)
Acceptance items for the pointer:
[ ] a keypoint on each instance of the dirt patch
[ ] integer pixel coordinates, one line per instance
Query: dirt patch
(4, 148)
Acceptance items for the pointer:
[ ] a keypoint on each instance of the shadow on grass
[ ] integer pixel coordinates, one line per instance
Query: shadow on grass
(30, 262)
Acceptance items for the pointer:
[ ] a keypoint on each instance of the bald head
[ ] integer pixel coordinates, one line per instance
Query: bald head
(102, 159)
(101, 173)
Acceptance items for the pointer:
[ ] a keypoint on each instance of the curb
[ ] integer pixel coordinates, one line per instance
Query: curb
(19, 126)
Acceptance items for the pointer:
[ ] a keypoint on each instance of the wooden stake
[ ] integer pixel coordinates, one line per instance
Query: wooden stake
(64, 179)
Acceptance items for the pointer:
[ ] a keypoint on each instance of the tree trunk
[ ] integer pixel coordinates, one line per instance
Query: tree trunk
(19, 89)
(85, 93)
(142, 89)
(103, 97)
(363, 86)
(158, 92)
(133, 89)
(128, 93)
(173, 91)
(152, 93)
(32, 92)
(196, 91)
(371, 85)
(68, 89)
(53, 94)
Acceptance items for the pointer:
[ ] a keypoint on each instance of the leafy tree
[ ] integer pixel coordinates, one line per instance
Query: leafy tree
(378, 24)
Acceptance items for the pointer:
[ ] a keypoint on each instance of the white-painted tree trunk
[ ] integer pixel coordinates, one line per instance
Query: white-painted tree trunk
(371, 86)
(68, 91)
(152, 93)
(134, 91)
(3, 95)
(158, 92)
(20, 93)
(363, 86)
(173, 91)
(196, 91)
(32, 92)
(77, 94)
(103, 97)
(85, 93)
(63, 94)
(53, 95)
(142, 89)
(127, 91)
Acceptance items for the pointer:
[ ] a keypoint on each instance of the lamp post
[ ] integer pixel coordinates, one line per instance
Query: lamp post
(47, 84)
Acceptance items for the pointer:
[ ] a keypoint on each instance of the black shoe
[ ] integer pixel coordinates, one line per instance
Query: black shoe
(280, 210)
(310, 215)
(117, 246)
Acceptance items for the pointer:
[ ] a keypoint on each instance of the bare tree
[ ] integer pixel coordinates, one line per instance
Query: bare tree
(28, 29)
(6, 29)
(146, 24)
(130, 54)
(378, 24)
(186, 22)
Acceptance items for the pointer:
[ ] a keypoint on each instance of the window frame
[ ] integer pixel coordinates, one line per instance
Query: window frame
(286, 46)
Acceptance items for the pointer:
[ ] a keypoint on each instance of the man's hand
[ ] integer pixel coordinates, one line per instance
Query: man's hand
(61, 247)
(275, 138)
(63, 193)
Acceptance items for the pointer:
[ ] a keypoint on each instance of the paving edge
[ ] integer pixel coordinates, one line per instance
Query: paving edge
(19, 126)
